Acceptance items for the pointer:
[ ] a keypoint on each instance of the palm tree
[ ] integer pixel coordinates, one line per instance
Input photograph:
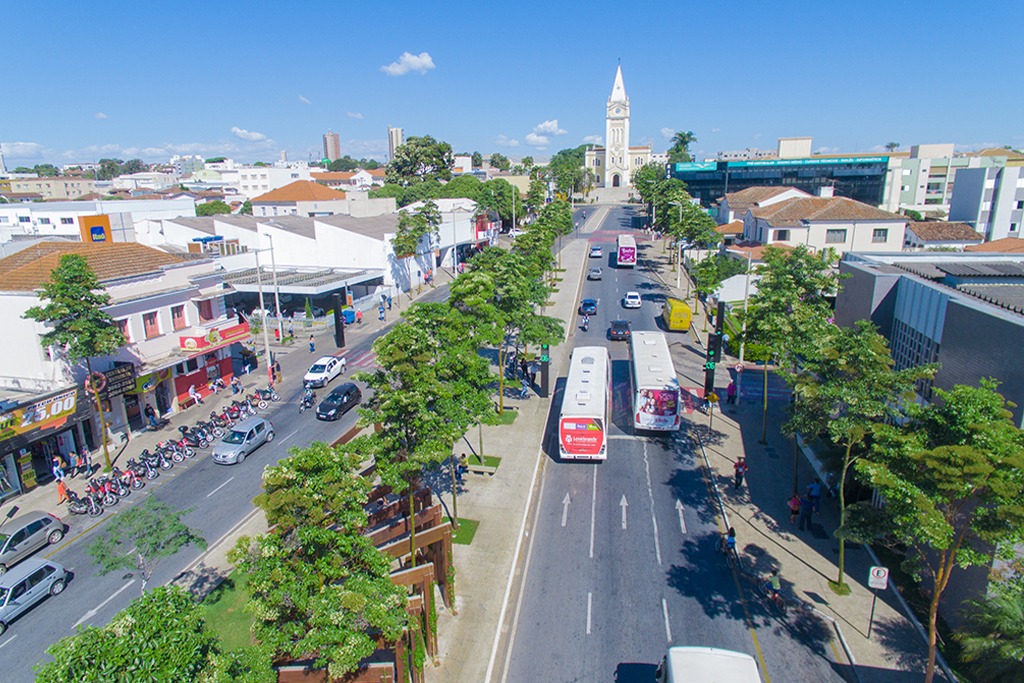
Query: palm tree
(680, 149)
(993, 637)
(892, 146)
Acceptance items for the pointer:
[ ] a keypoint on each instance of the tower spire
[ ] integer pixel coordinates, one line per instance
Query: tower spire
(619, 88)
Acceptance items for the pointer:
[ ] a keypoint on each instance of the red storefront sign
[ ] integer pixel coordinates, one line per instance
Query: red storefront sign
(214, 338)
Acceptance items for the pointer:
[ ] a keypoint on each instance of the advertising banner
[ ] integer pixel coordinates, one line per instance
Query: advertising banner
(49, 413)
(214, 338)
(95, 228)
(657, 408)
(581, 435)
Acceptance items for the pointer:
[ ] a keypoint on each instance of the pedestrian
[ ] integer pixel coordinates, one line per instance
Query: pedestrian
(236, 385)
(247, 367)
(380, 312)
(277, 371)
(814, 493)
(389, 302)
(739, 470)
(151, 415)
(194, 395)
(533, 376)
(57, 469)
(794, 507)
(806, 510)
(85, 461)
(730, 392)
(312, 344)
(72, 470)
(62, 492)
(524, 367)
(359, 316)
(291, 329)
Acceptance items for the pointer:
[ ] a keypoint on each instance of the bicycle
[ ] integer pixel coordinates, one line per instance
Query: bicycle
(773, 598)
(728, 550)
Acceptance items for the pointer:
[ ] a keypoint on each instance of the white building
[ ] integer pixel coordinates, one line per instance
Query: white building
(925, 180)
(457, 231)
(614, 164)
(396, 138)
(940, 235)
(308, 199)
(990, 200)
(145, 179)
(187, 164)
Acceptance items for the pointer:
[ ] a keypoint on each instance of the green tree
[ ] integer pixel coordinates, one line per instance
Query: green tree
(109, 168)
(892, 146)
(246, 209)
(527, 162)
(413, 227)
(161, 636)
(846, 388)
(214, 208)
(535, 196)
(46, 170)
(134, 166)
(344, 164)
(22, 169)
(465, 186)
(477, 160)
(138, 538)
(913, 215)
(679, 151)
(74, 299)
(951, 479)
(216, 160)
(421, 159)
(992, 635)
(708, 278)
(500, 161)
(501, 197)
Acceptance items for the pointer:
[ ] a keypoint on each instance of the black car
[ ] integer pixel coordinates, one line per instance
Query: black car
(588, 307)
(619, 330)
(339, 401)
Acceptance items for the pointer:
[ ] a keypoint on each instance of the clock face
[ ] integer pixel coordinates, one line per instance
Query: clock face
(618, 110)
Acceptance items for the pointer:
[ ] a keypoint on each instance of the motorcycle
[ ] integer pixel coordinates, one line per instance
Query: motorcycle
(222, 421)
(268, 394)
(211, 430)
(171, 450)
(256, 401)
(144, 468)
(191, 439)
(244, 409)
(159, 458)
(99, 489)
(308, 401)
(84, 506)
(129, 477)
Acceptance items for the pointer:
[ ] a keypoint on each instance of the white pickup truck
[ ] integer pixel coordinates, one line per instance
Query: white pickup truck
(707, 665)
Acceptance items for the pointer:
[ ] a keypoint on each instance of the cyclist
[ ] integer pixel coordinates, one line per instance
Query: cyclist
(586, 322)
(728, 543)
(773, 585)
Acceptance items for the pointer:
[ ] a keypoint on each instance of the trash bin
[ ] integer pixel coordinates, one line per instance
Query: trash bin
(349, 315)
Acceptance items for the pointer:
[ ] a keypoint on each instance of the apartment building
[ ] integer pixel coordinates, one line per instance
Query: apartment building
(56, 187)
(990, 200)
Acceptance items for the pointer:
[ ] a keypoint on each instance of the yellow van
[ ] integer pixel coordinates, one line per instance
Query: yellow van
(677, 315)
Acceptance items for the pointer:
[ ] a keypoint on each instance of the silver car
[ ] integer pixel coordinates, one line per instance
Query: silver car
(242, 439)
(27, 584)
(24, 535)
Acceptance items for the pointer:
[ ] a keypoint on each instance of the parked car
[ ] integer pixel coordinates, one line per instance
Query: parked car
(632, 300)
(322, 371)
(341, 400)
(594, 274)
(596, 252)
(619, 330)
(515, 232)
(588, 307)
(243, 439)
(24, 535)
(27, 584)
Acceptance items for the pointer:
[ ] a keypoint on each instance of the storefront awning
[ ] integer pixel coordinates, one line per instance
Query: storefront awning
(213, 292)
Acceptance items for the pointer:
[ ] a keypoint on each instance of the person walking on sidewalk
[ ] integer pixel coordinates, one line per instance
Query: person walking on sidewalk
(524, 388)
(57, 469)
(85, 461)
(814, 493)
(739, 470)
(730, 392)
(794, 507)
(151, 415)
(389, 302)
(277, 371)
(312, 344)
(380, 312)
(62, 492)
(806, 510)
(359, 316)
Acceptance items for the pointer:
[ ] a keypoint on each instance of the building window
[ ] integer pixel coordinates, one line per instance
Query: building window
(67, 221)
(24, 219)
(122, 325)
(781, 235)
(880, 235)
(205, 310)
(835, 236)
(1020, 204)
(1013, 227)
(178, 317)
(150, 324)
(44, 221)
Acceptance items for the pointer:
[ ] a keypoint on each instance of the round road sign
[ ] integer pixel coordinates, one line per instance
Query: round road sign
(878, 578)
(738, 367)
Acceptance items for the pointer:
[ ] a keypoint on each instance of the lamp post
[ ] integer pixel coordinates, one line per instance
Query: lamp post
(746, 301)
(263, 311)
(277, 292)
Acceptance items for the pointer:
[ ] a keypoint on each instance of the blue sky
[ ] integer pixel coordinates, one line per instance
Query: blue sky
(248, 79)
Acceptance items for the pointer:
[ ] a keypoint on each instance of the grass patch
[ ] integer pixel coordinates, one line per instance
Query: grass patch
(225, 613)
(466, 531)
(486, 461)
(507, 417)
(839, 588)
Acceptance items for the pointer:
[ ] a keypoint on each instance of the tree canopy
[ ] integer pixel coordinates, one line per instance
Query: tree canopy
(420, 159)
(679, 151)
(215, 208)
(413, 227)
(500, 161)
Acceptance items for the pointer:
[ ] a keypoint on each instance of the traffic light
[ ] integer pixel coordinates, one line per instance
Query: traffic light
(714, 348)
(710, 365)
(544, 353)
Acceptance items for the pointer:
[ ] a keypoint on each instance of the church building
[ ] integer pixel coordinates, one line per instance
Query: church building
(613, 165)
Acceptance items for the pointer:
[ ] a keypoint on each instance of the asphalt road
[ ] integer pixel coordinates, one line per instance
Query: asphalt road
(219, 498)
(621, 560)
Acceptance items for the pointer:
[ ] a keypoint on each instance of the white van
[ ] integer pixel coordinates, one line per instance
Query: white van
(707, 665)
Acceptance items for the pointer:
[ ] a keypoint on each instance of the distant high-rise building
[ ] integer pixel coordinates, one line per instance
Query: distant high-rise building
(332, 146)
(395, 140)
(3, 168)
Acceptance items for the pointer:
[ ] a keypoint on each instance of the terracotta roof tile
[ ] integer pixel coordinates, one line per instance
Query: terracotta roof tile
(795, 211)
(299, 191)
(750, 197)
(28, 269)
(1007, 245)
(734, 228)
(377, 172)
(941, 231)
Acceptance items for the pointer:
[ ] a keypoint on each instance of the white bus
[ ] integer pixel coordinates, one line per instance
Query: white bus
(625, 254)
(586, 406)
(656, 394)
(707, 665)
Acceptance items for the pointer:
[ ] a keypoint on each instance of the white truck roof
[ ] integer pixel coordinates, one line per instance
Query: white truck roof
(709, 665)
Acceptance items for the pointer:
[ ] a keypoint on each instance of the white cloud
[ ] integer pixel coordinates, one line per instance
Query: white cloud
(250, 135)
(667, 133)
(549, 127)
(716, 130)
(539, 141)
(354, 115)
(421, 63)
(21, 150)
(505, 141)
(594, 139)
(757, 136)
(101, 115)
(375, 147)
(304, 99)
(827, 150)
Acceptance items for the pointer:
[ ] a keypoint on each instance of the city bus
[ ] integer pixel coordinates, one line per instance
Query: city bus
(625, 254)
(586, 406)
(656, 394)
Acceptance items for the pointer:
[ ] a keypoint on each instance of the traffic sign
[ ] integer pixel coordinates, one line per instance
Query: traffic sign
(878, 578)
(713, 397)
(738, 367)
(710, 365)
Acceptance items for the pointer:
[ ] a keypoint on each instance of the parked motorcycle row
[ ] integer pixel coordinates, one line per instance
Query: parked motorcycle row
(106, 490)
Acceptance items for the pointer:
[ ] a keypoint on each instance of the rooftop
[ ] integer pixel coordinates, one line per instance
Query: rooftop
(29, 269)
(733, 228)
(300, 191)
(804, 209)
(1007, 245)
(940, 231)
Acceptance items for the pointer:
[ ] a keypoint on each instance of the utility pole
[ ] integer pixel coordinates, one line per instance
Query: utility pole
(263, 313)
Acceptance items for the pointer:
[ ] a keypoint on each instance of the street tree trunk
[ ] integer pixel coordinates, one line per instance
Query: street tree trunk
(103, 417)
(842, 510)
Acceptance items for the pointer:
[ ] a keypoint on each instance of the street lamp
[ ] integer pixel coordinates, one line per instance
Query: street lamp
(746, 301)
(263, 311)
(277, 292)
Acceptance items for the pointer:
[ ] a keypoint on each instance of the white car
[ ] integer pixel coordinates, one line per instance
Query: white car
(323, 371)
(631, 300)
(515, 232)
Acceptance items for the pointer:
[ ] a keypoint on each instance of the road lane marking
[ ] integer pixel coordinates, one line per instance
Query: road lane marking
(96, 610)
(290, 436)
(668, 627)
(9, 640)
(590, 603)
(623, 504)
(565, 508)
(650, 496)
(682, 522)
(219, 487)
(593, 514)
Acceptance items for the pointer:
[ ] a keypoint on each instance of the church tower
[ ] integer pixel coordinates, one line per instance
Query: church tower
(616, 136)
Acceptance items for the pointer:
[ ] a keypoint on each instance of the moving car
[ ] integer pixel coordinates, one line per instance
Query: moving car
(596, 252)
(322, 372)
(619, 330)
(594, 274)
(242, 439)
(341, 400)
(588, 307)
(632, 300)
(24, 535)
(27, 584)
(515, 232)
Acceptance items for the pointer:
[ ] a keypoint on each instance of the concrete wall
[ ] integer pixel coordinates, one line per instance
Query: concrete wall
(865, 294)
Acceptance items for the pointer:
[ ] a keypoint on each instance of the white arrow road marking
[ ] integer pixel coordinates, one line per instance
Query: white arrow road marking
(565, 508)
(682, 522)
(96, 610)
(623, 504)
